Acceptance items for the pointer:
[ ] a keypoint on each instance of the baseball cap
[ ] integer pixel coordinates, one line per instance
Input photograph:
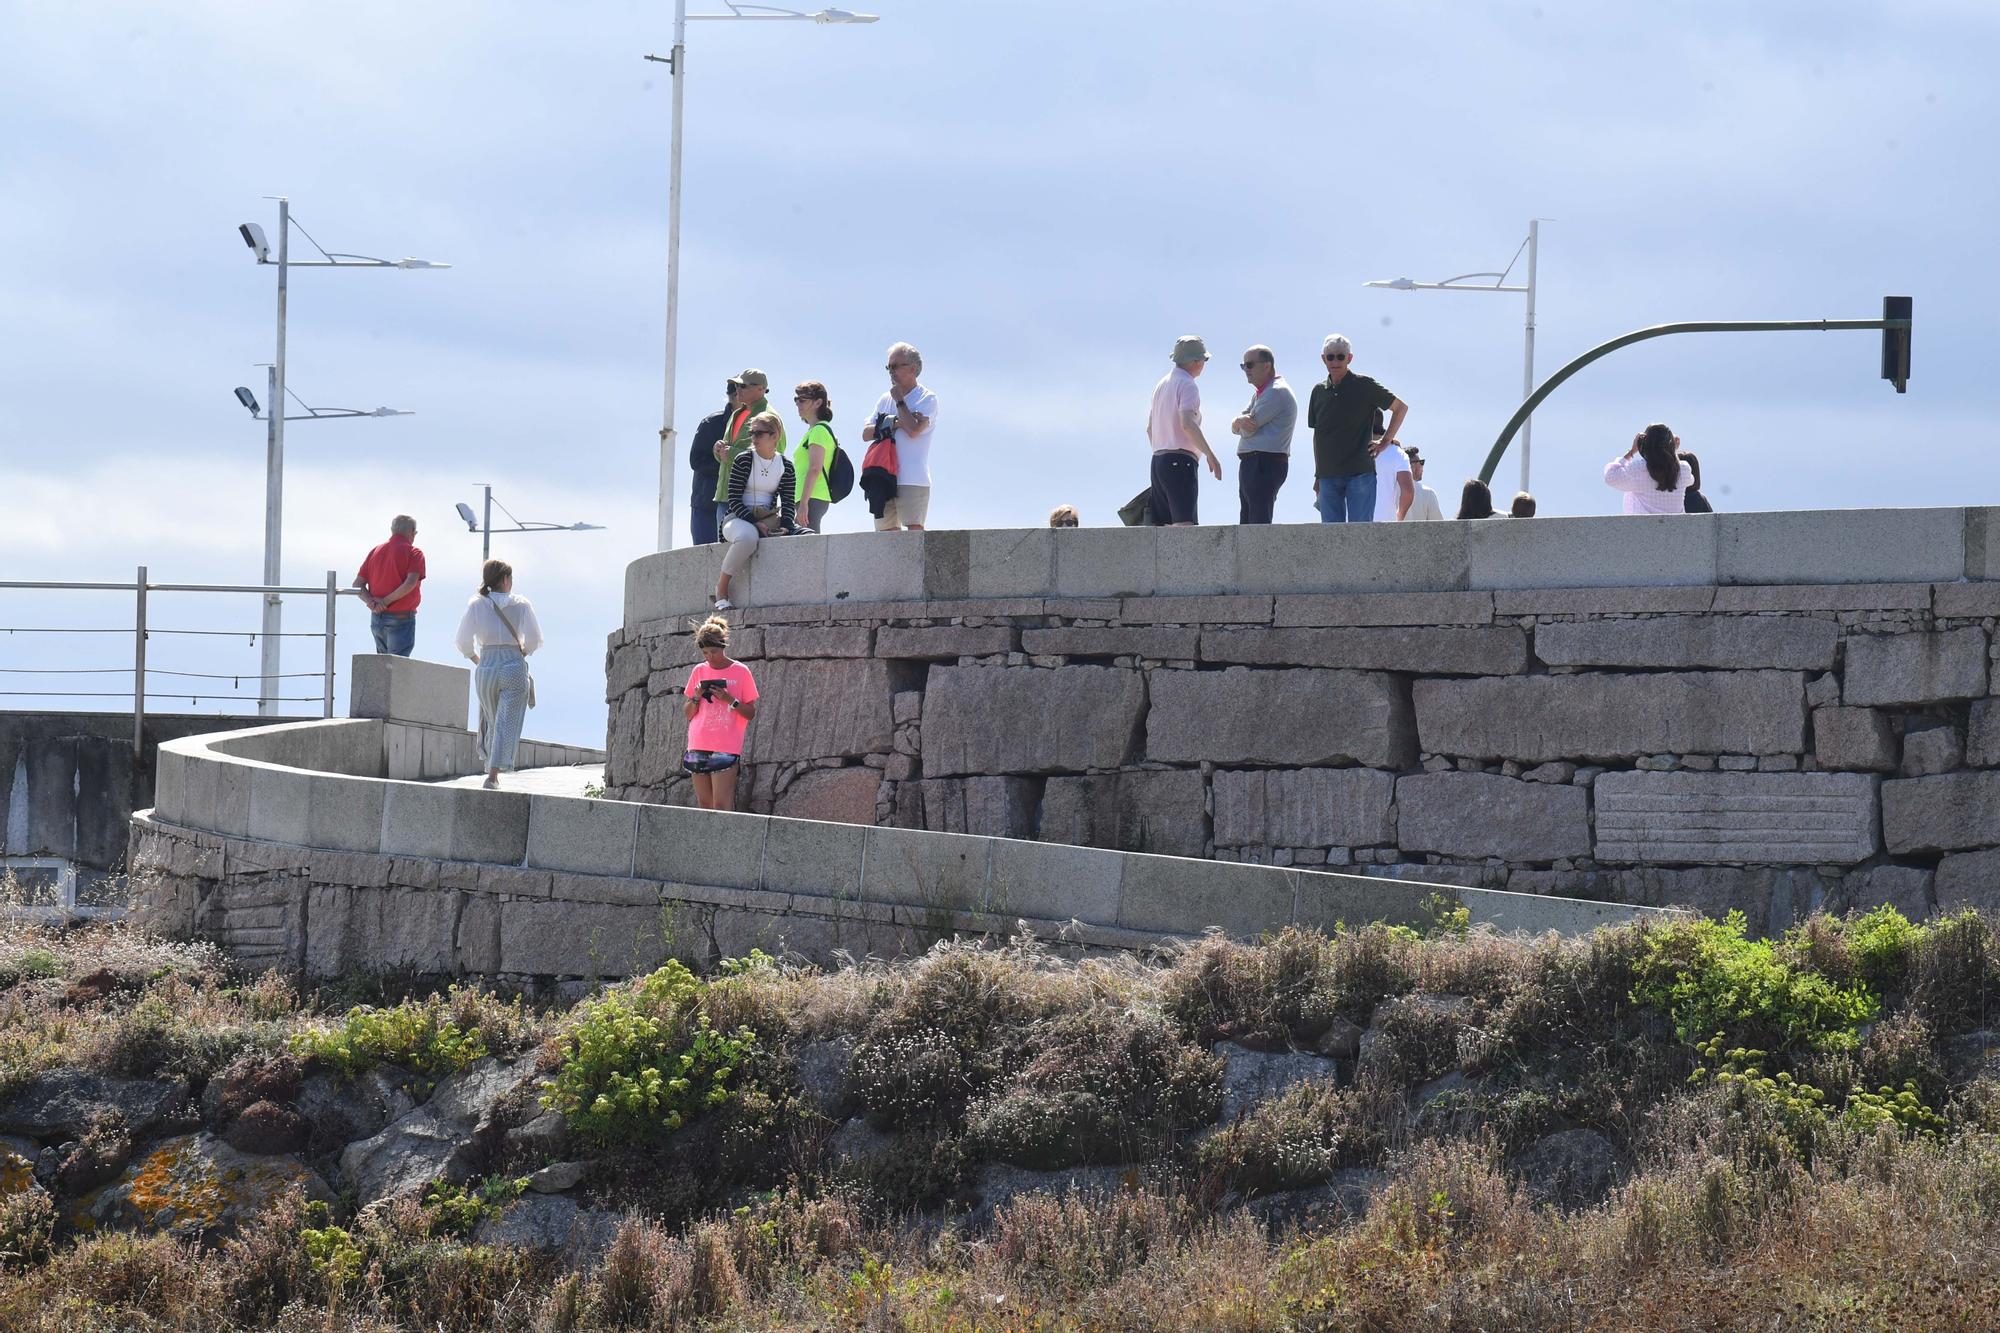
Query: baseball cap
(756, 377)
(1188, 348)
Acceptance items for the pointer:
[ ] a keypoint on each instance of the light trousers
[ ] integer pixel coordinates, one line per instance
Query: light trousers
(501, 681)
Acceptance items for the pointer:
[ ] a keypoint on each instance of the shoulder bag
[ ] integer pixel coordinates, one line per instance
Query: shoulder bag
(518, 644)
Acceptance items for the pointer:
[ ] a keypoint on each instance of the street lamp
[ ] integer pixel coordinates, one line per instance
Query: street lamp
(486, 529)
(274, 437)
(249, 400)
(1460, 284)
(675, 63)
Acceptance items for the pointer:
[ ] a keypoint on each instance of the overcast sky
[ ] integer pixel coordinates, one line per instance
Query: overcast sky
(1039, 195)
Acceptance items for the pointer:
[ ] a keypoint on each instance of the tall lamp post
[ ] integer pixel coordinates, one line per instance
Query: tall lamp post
(486, 529)
(1461, 284)
(274, 435)
(676, 63)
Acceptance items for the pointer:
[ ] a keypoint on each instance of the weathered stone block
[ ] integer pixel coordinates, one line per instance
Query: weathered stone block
(1950, 813)
(1010, 562)
(489, 826)
(1763, 818)
(1305, 807)
(1174, 895)
(1919, 668)
(1905, 888)
(1337, 610)
(1840, 546)
(280, 804)
(1500, 650)
(408, 689)
(1298, 718)
(575, 833)
(821, 859)
(1216, 609)
(1483, 814)
(1102, 562)
(874, 566)
(927, 870)
(1054, 883)
(1602, 601)
(724, 849)
(839, 795)
(822, 709)
(1932, 750)
(818, 641)
(346, 813)
(1143, 811)
(580, 939)
(1969, 880)
(944, 641)
(1161, 643)
(1726, 642)
(989, 807)
(1982, 734)
(1593, 715)
(991, 720)
(1626, 550)
(625, 668)
(1858, 738)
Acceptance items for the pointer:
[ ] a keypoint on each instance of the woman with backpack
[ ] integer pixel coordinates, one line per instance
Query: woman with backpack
(813, 462)
(498, 631)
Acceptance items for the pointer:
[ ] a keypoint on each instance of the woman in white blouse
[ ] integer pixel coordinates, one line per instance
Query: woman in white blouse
(762, 501)
(498, 631)
(1651, 473)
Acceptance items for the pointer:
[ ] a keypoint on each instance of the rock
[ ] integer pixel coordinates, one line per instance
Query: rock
(1905, 888)
(64, 1103)
(551, 1224)
(435, 1141)
(1304, 807)
(1823, 690)
(546, 1135)
(338, 1112)
(858, 1145)
(1165, 644)
(837, 795)
(254, 1076)
(1558, 771)
(1340, 1041)
(1483, 814)
(1000, 1183)
(85, 1164)
(1146, 811)
(17, 1166)
(990, 807)
(558, 1177)
(823, 1073)
(1732, 818)
(820, 708)
(1969, 880)
(1323, 718)
(1251, 1078)
(1948, 813)
(194, 1187)
(818, 641)
(1612, 715)
(1575, 1168)
(983, 720)
(1932, 750)
(1734, 643)
(1498, 650)
(1917, 668)
(1854, 738)
(944, 642)
(266, 1128)
(1345, 1197)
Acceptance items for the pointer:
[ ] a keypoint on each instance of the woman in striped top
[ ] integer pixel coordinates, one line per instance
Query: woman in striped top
(763, 491)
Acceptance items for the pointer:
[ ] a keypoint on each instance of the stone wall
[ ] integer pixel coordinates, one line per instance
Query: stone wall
(1713, 731)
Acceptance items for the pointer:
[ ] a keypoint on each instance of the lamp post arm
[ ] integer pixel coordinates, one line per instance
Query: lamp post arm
(1535, 399)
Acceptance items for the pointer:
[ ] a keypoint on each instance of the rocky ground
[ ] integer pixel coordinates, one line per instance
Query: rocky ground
(1665, 1126)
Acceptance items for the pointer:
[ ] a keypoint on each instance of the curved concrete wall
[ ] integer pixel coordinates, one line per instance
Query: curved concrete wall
(1771, 712)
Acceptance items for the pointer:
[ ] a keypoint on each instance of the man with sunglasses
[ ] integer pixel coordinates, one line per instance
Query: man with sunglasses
(907, 413)
(1341, 416)
(746, 401)
(1264, 436)
(705, 465)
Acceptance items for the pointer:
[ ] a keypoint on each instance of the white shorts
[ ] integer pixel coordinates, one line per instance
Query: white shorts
(910, 507)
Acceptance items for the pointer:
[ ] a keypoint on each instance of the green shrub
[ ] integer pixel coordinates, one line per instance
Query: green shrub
(640, 1062)
(454, 1210)
(1707, 978)
(1293, 1140)
(29, 965)
(27, 1223)
(1884, 944)
(435, 1036)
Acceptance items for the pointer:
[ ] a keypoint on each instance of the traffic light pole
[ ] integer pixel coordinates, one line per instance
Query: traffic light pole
(1895, 355)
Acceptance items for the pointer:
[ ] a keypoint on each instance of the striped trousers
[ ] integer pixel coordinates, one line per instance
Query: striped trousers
(501, 682)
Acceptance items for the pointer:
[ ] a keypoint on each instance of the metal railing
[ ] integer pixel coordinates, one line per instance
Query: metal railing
(142, 629)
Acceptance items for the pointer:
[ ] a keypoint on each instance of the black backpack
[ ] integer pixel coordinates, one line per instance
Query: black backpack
(839, 473)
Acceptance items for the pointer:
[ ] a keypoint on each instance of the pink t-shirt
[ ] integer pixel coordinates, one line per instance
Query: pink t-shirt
(715, 725)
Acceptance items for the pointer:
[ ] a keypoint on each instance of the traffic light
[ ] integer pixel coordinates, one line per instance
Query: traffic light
(1896, 343)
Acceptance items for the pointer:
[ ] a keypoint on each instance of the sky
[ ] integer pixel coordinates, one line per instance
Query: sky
(1039, 195)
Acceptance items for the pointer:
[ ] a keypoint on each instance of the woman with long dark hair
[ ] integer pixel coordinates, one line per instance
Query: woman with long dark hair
(1651, 474)
(1476, 500)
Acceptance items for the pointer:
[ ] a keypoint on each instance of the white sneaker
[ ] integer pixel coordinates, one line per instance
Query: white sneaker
(723, 604)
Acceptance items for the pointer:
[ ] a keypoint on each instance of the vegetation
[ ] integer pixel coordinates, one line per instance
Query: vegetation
(1806, 1134)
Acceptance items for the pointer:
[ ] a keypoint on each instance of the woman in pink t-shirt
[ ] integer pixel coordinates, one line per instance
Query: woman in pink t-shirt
(721, 700)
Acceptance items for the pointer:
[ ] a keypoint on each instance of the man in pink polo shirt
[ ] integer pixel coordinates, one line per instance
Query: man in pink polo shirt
(389, 580)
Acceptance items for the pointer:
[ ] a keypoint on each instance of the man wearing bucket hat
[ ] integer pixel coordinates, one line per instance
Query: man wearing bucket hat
(1174, 429)
(746, 401)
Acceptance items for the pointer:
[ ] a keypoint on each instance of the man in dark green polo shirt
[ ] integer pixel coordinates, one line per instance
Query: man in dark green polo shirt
(1341, 416)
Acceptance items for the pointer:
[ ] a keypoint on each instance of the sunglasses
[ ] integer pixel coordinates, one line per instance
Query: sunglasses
(806, 398)
(755, 433)
(1248, 365)
(896, 365)
(1334, 356)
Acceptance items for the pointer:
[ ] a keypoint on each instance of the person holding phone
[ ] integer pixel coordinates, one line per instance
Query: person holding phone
(721, 700)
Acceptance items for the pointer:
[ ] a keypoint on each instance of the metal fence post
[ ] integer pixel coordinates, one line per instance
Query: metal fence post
(332, 596)
(139, 673)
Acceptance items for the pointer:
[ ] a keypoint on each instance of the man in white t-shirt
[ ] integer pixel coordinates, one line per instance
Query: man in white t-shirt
(908, 414)
(1395, 488)
(1426, 505)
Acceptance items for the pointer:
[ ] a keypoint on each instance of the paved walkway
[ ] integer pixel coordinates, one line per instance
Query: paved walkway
(567, 781)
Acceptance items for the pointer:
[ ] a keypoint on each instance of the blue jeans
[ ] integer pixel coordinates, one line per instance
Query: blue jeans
(701, 513)
(395, 631)
(1347, 499)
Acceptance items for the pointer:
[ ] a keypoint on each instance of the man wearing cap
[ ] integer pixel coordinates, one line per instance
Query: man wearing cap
(1174, 429)
(1341, 416)
(746, 400)
(1264, 436)
(1426, 505)
(704, 467)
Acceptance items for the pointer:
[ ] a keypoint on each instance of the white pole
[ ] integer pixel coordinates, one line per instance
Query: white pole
(274, 489)
(1528, 367)
(486, 530)
(668, 445)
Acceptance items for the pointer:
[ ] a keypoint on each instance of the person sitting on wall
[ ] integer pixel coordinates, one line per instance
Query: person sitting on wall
(1693, 501)
(763, 501)
(1476, 500)
(721, 700)
(1651, 473)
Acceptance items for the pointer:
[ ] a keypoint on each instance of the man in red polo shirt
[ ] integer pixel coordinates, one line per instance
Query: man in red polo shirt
(388, 581)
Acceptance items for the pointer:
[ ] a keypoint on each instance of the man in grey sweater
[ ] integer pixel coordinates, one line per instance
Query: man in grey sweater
(1263, 436)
